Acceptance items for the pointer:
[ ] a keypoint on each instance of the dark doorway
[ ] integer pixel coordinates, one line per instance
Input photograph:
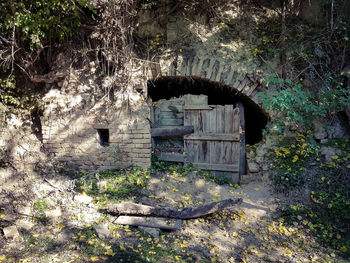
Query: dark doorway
(218, 94)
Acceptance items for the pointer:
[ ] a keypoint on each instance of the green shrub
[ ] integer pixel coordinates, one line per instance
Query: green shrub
(293, 104)
(35, 22)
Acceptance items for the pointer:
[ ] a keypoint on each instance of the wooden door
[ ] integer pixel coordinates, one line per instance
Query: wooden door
(215, 143)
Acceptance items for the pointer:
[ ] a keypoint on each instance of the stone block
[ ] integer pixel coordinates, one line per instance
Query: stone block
(141, 160)
(137, 141)
(147, 145)
(253, 167)
(137, 136)
(141, 131)
(84, 199)
(128, 150)
(144, 155)
(115, 140)
(148, 151)
(11, 232)
(147, 135)
(103, 231)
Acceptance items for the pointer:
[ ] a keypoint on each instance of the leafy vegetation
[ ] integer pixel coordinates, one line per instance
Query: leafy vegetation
(289, 160)
(39, 207)
(113, 185)
(326, 213)
(298, 106)
(27, 28)
(315, 58)
(308, 83)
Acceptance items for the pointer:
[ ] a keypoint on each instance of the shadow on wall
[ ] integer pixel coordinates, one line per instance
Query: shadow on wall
(218, 94)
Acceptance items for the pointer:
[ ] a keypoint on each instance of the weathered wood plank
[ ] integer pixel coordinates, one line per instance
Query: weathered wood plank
(236, 121)
(170, 108)
(172, 157)
(219, 119)
(171, 131)
(203, 152)
(228, 119)
(197, 107)
(171, 115)
(129, 208)
(227, 146)
(218, 167)
(154, 222)
(170, 122)
(242, 161)
(212, 129)
(213, 137)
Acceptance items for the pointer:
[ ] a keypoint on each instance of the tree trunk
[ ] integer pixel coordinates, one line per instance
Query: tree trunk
(129, 208)
(283, 55)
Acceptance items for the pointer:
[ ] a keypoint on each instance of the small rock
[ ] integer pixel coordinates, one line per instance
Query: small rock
(251, 155)
(24, 210)
(320, 132)
(253, 167)
(64, 236)
(102, 186)
(11, 232)
(103, 231)
(329, 152)
(154, 232)
(338, 128)
(84, 199)
(54, 214)
(25, 224)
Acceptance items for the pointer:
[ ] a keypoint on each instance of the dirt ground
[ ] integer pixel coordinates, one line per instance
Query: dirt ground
(78, 230)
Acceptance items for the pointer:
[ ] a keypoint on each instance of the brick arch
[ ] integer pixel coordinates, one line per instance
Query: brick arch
(218, 70)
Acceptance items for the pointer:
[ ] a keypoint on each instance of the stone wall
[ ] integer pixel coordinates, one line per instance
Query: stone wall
(71, 121)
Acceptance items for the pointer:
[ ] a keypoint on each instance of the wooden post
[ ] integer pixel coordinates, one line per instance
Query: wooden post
(242, 159)
(153, 144)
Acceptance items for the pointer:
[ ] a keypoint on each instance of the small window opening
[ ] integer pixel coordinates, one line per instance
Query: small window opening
(104, 136)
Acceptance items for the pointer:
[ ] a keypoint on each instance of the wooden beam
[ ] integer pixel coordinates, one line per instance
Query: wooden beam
(155, 222)
(213, 137)
(129, 208)
(170, 122)
(172, 131)
(198, 107)
(218, 167)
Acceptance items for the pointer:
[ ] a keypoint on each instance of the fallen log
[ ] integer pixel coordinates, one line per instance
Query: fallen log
(154, 222)
(129, 208)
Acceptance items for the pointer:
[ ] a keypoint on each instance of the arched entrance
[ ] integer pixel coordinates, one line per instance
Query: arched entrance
(210, 127)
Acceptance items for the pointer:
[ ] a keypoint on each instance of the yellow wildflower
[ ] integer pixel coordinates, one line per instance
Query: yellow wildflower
(286, 151)
(295, 158)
